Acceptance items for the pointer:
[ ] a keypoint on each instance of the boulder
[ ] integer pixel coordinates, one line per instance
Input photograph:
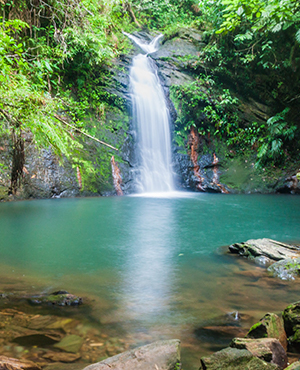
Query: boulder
(162, 355)
(286, 269)
(235, 359)
(267, 349)
(270, 326)
(272, 249)
(7, 363)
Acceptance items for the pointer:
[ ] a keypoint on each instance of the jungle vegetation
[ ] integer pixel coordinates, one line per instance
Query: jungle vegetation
(55, 57)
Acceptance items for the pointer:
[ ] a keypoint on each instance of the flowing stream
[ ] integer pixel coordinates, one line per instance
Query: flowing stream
(151, 118)
(149, 268)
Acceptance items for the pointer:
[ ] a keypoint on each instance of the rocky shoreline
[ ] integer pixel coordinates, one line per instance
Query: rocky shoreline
(272, 344)
(283, 260)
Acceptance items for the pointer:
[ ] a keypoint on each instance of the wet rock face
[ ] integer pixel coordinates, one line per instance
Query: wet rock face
(175, 56)
(45, 177)
(162, 355)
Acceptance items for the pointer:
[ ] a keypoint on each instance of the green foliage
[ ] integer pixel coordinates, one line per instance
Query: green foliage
(198, 104)
(55, 65)
(162, 14)
(278, 135)
(260, 16)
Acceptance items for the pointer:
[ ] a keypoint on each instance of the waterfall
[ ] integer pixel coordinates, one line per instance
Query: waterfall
(151, 117)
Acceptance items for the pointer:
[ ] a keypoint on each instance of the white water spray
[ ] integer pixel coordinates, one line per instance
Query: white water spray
(151, 117)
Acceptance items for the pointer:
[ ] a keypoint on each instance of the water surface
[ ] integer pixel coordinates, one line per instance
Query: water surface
(152, 267)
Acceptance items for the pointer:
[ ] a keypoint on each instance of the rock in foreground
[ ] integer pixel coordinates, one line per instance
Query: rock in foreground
(270, 326)
(235, 359)
(269, 248)
(267, 349)
(162, 355)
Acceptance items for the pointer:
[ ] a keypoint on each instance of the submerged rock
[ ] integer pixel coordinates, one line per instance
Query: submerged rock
(162, 355)
(270, 326)
(64, 366)
(36, 339)
(70, 343)
(272, 249)
(221, 330)
(235, 359)
(59, 298)
(286, 269)
(61, 357)
(7, 363)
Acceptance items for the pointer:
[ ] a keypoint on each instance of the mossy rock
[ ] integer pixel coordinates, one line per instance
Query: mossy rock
(235, 359)
(291, 318)
(270, 326)
(267, 349)
(286, 269)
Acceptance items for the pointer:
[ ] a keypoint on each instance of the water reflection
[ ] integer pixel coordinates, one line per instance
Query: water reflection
(149, 272)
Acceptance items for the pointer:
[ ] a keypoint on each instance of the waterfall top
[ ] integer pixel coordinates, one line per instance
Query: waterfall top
(148, 48)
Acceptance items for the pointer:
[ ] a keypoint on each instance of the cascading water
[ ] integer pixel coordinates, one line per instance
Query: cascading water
(151, 117)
